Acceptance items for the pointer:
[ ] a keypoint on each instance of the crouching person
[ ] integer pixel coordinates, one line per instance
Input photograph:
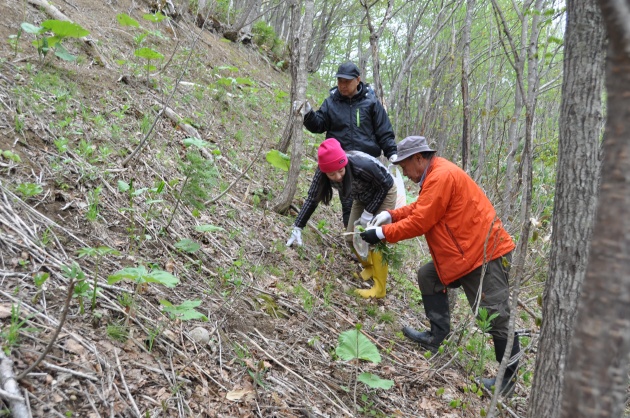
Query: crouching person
(468, 244)
(358, 176)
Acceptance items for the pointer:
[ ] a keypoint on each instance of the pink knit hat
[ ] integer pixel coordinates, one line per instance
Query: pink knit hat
(330, 156)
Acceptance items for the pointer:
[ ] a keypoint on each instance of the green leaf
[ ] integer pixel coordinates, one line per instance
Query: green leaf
(123, 187)
(226, 81)
(162, 277)
(374, 381)
(354, 345)
(134, 274)
(199, 143)
(65, 29)
(157, 17)
(62, 53)
(148, 53)
(278, 160)
(208, 228)
(184, 311)
(126, 20)
(188, 245)
(28, 28)
(245, 81)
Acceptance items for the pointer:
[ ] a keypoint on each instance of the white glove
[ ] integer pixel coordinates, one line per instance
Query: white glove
(393, 158)
(366, 217)
(382, 218)
(304, 108)
(296, 236)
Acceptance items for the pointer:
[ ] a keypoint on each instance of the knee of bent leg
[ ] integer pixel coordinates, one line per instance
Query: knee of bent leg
(428, 280)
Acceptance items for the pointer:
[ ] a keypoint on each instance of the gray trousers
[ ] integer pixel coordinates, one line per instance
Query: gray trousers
(495, 293)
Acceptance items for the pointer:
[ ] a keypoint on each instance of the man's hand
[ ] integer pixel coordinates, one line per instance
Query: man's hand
(296, 236)
(365, 219)
(303, 108)
(382, 218)
(370, 236)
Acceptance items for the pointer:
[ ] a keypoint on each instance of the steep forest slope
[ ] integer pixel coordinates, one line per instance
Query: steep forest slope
(178, 240)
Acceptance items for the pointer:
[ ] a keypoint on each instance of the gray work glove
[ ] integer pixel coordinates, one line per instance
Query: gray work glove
(296, 236)
(382, 218)
(366, 217)
(303, 108)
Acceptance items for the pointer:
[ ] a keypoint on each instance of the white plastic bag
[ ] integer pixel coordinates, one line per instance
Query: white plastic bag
(401, 196)
(361, 247)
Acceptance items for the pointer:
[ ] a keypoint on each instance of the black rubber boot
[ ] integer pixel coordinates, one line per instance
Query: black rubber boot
(509, 378)
(436, 309)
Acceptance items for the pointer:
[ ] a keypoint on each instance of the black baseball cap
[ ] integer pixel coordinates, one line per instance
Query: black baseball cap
(348, 71)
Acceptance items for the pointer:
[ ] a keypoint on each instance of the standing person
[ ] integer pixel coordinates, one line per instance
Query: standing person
(367, 182)
(466, 239)
(354, 116)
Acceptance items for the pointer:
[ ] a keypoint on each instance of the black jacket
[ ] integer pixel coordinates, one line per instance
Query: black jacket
(366, 180)
(359, 123)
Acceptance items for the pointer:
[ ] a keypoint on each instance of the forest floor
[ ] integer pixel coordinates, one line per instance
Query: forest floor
(274, 314)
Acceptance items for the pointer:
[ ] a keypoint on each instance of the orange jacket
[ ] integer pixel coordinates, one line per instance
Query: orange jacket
(456, 218)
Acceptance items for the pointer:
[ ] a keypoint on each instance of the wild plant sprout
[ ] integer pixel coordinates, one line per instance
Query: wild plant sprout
(97, 253)
(61, 30)
(353, 345)
(141, 276)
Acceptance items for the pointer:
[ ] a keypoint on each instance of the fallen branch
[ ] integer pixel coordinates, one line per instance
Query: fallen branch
(55, 335)
(17, 404)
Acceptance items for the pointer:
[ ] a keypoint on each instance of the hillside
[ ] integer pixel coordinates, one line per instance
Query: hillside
(189, 222)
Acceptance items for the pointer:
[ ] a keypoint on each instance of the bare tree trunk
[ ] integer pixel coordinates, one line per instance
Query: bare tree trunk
(375, 34)
(300, 37)
(596, 377)
(575, 200)
(470, 5)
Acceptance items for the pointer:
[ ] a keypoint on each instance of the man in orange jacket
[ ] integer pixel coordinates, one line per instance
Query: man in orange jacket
(466, 239)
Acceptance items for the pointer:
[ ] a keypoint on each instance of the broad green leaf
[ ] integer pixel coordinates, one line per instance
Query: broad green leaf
(199, 143)
(148, 53)
(188, 245)
(374, 381)
(227, 67)
(163, 277)
(354, 345)
(28, 28)
(184, 311)
(278, 160)
(157, 17)
(226, 81)
(139, 191)
(65, 29)
(126, 20)
(208, 228)
(134, 274)
(122, 186)
(245, 81)
(62, 53)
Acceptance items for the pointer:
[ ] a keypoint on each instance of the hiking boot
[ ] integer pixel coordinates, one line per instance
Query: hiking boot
(509, 378)
(437, 310)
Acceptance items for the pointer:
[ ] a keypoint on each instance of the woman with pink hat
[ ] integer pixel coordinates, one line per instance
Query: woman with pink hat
(363, 178)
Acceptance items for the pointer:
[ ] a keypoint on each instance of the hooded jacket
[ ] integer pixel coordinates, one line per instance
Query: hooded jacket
(359, 123)
(458, 221)
(366, 180)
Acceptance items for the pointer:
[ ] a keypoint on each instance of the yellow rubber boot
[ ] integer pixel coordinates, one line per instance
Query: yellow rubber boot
(367, 272)
(380, 271)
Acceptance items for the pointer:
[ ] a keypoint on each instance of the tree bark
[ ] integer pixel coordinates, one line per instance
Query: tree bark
(470, 5)
(375, 34)
(596, 378)
(575, 200)
(301, 37)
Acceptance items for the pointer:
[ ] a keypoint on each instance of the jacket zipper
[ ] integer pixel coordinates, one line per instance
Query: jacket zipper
(358, 118)
(454, 240)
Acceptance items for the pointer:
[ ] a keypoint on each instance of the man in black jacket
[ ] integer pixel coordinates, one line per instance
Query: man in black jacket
(354, 116)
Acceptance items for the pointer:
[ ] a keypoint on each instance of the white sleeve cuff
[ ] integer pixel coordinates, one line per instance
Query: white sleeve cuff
(379, 233)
